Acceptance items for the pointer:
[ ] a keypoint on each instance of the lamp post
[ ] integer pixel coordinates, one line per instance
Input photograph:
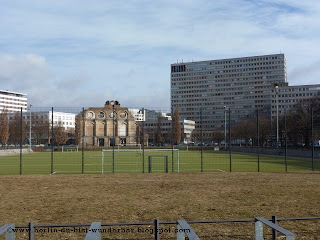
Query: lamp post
(225, 127)
(277, 114)
(30, 129)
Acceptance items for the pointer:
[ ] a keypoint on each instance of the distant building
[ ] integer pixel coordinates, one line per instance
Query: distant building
(65, 120)
(13, 101)
(204, 90)
(138, 114)
(151, 126)
(41, 123)
(101, 131)
(288, 96)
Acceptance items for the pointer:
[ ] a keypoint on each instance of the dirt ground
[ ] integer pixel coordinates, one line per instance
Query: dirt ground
(75, 199)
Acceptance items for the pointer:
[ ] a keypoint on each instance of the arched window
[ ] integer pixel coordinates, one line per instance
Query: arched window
(122, 129)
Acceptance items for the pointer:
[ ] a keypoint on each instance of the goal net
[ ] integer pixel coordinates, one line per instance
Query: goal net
(70, 148)
(138, 160)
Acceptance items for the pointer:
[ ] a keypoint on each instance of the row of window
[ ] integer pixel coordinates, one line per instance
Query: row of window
(185, 82)
(216, 62)
(217, 87)
(233, 70)
(13, 100)
(12, 94)
(297, 89)
(233, 75)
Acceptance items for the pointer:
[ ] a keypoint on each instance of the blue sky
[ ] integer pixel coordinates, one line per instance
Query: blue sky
(82, 53)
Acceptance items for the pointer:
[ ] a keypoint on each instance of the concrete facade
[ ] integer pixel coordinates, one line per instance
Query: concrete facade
(242, 84)
(288, 96)
(204, 90)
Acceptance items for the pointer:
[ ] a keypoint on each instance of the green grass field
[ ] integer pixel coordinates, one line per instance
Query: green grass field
(132, 162)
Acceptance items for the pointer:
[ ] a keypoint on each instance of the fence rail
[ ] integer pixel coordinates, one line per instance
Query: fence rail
(182, 227)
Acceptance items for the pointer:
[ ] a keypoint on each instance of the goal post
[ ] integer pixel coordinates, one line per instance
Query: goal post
(136, 160)
(70, 148)
(131, 146)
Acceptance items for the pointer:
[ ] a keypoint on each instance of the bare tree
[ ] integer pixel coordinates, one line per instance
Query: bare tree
(40, 128)
(299, 121)
(78, 129)
(176, 127)
(245, 130)
(159, 131)
(15, 125)
(60, 136)
(4, 127)
(138, 134)
(218, 136)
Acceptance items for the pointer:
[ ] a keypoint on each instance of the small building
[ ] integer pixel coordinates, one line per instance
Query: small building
(110, 125)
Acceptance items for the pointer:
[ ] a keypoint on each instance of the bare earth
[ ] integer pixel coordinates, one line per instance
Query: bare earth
(73, 199)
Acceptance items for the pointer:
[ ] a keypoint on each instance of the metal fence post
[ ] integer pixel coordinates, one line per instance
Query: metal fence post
(52, 141)
(180, 233)
(94, 232)
(166, 163)
(258, 139)
(274, 232)
(230, 153)
(201, 139)
(82, 143)
(143, 139)
(21, 141)
(285, 140)
(156, 229)
(258, 230)
(114, 138)
(31, 230)
(312, 138)
(172, 140)
(149, 164)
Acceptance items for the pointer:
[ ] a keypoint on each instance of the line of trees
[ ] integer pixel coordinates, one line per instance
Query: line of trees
(175, 135)
(12, 130)
(298, 126)
(4, 127)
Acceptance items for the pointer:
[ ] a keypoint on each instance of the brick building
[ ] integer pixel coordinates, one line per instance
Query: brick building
(101, 131)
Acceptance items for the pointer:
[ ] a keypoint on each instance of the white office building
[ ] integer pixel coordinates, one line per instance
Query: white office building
(66, 120)
(13, 101)
(138, 114)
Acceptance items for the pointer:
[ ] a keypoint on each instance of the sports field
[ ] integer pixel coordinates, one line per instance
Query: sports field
(132, 162)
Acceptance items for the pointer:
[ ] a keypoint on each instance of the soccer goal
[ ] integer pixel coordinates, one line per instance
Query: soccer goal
(70, 148)
(137, 160)
(129, 146)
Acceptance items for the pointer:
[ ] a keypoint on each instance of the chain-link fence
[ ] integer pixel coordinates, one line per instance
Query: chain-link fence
(123, 140)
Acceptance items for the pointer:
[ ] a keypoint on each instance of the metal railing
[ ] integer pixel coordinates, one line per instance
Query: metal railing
(259, 235)
(7, 229)
(183, 227)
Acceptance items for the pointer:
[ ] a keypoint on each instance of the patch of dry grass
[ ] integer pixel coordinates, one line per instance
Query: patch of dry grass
(62, 199)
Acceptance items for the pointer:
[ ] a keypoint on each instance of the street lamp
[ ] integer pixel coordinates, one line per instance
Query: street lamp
(277, 113)
(30, 129)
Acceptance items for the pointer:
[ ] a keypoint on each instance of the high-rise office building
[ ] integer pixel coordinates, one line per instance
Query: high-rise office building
(13, 101)
(204, 90)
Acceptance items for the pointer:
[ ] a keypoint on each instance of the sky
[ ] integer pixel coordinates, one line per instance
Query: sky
(77, 53)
